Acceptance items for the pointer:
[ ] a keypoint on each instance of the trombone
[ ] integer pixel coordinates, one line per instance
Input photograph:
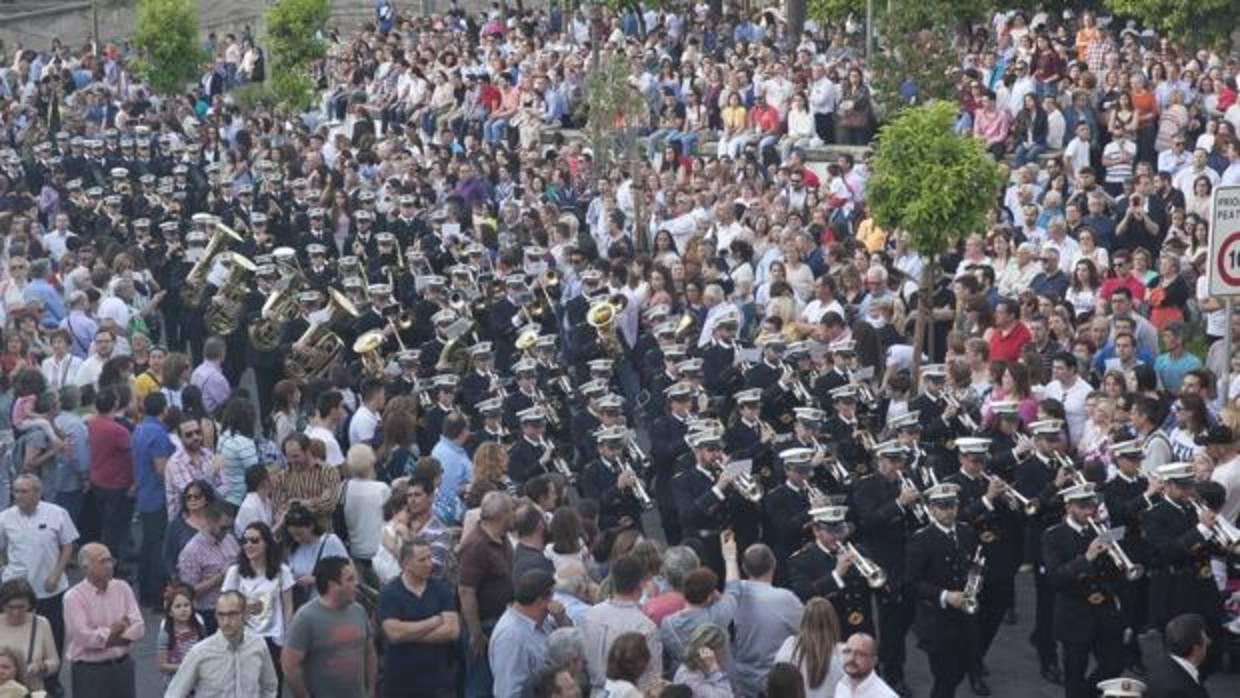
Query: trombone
(1015, 500)
(1132, 571)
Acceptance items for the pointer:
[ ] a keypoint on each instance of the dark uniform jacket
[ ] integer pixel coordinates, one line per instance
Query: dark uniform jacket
(1086, 597)
(939, 563)
(810, 574)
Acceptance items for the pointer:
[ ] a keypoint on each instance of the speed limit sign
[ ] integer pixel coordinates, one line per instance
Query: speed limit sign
(1225, 242)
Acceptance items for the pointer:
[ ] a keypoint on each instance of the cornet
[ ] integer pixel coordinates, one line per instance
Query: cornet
(973, 583)
(1015, 500)
(746, 486)
(1132, 571)
(874, 575)
(793, 381)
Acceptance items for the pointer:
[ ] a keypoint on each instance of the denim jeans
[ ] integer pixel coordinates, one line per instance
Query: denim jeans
(479, 682)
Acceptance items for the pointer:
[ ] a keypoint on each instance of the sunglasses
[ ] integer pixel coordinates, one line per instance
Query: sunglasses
(195, 495)
(253, 540)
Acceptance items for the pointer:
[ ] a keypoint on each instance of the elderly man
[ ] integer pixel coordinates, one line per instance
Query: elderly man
(103, 620)
(232, 663)
(36, 540)
(517, 649)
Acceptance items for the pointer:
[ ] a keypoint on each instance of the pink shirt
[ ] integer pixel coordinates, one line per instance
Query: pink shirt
(663, 605)
(89, 615)
(991, 126)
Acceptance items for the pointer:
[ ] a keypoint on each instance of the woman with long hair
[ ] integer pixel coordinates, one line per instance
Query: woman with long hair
(491, 465)
(176, 373)
(1191, 422)
(399, 452)
(1014, 387)
(1083, 289)
(238, 450)
(267, 584)
(285, 409)
(627, 659)
(815, 649)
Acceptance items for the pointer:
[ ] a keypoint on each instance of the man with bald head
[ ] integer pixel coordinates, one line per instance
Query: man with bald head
(860, 679)
(102, 622)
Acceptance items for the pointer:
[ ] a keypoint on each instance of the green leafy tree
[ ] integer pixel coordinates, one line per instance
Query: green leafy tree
(166, 36)
(294, 42)
(1195, 19)
(933, 183)
(614, 111)
(834, 10)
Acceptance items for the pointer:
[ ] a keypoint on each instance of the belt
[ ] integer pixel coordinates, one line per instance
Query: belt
(104, 662)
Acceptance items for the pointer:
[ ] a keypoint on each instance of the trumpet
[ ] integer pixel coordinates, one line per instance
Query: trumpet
(560, 465)
(553, 417)
(639, 490)
(745, 484)
(766, 432)
(973, 583)
(962, 415)
(1132, 571)
(1023, 439)
(920, 512)
(838, 471)
(1015, 500)
(866, 439)
(874, 575)
(796, 386)
(633, 450)
(1226, 535)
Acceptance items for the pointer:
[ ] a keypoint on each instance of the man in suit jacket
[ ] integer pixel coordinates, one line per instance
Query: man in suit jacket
(1174, 674)
(940, 556)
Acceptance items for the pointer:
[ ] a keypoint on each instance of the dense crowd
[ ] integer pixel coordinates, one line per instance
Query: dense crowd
(417, 394)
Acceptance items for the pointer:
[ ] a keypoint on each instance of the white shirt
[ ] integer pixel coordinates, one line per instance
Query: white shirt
(253, 509)
(871, 687)
(1077, 153)
(363, 514)
(60, 372)
(115, 308)
(1073, 400)
(1189, 667)
(363, 425)
(213, 669)
(88, 371)
(31, 544)
(269, 622)
(816, 309)
(1227, 474)
(335, 457)
(1216, 321)
(835, 673)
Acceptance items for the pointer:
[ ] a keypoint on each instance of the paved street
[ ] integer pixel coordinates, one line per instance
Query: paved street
(1013, 665)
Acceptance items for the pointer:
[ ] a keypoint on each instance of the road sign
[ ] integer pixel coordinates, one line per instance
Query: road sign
(1225, 242)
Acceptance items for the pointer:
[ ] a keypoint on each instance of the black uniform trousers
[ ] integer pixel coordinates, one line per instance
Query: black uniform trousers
(994, 600)
(895, 617)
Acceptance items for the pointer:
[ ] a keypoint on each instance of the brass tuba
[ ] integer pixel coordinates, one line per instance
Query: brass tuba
(227, 306)
(196, 280)
(368, 348)
(319, 347)
(279, 308)
(602, 317)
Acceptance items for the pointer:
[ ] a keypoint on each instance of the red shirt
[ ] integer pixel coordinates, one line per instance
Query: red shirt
(1127, 281)
(1007, 347)
(111, 462)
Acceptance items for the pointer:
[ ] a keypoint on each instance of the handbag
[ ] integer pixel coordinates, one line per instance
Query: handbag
(300, 594)
(340, 525)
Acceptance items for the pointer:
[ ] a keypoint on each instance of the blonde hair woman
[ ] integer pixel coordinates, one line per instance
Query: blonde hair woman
(491, 464)
(785, 308)
(815, 649)
(706, 656)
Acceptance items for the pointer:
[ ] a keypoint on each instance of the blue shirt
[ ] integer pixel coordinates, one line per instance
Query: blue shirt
(426, 665)
(457, 470)
(516, 651)
(53, 306)
(149, 442)
(1171, 371)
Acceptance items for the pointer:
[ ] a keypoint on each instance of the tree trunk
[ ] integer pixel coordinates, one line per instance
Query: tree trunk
(795, 12)
(923, 319)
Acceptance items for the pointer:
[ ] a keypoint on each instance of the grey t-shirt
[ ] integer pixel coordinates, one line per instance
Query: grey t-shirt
(335, 643)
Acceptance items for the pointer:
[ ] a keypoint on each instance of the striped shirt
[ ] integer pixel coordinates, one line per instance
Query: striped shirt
(317, 487)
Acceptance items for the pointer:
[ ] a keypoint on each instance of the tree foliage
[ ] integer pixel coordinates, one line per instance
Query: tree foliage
(834, 10)
(930, 181)
(166, 36)
(612, 105)
(1194, 19)
(294, 42)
